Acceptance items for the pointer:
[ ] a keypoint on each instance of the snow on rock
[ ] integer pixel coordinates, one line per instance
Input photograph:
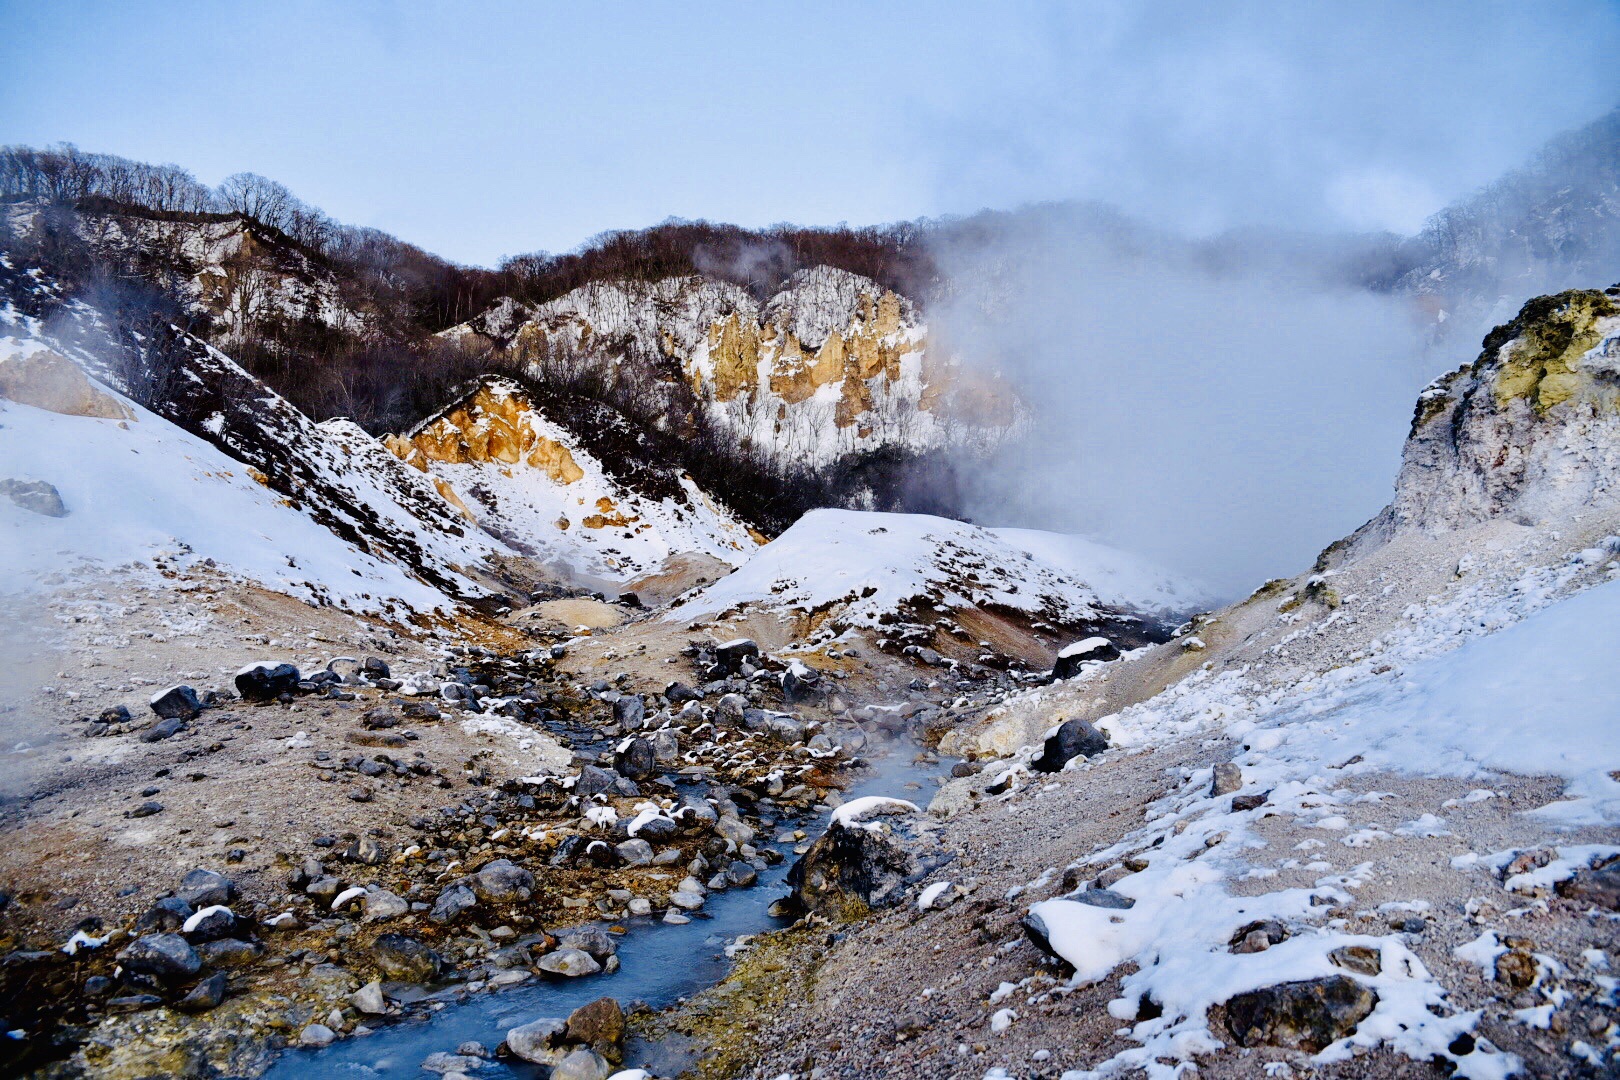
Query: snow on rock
(867, 565)
(536, 484)
(850, 814)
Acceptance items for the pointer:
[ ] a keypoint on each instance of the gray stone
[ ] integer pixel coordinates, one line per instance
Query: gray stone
(316, 1035)
(205, 996)
(582, 1065)
(405, 958)
(369, 999)
(34, 495)
(452, 900)
(539, 1041)
(169, 913)
(163, 729)
(629, 711)
(599, 943)
(635, 852)
(230, 953)
(502, 880)
(594, 780)
(379, 904)
(569, 962)
(205, 888)
(1228, 778)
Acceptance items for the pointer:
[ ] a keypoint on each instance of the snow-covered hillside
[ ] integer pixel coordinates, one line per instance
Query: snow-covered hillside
(863, 568)
(536, 485)
(831, 365)
(334, 476)
(138, 490)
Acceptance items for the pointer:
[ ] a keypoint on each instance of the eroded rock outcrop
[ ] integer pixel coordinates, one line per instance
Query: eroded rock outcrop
(832, 364)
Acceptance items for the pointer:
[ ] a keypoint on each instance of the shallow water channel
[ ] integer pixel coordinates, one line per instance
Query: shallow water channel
(660, 963)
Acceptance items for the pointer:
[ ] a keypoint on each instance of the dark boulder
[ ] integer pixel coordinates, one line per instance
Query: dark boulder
(677, 692)
(205, 996)
(205, 888)
(178, 703)
(800, 683)
(638, 760)
(169, 913)
(594, 780)
(731, 656)
(599, 1025)
(1307, 1015)
(853, 868)
(629, 711)
(1600, 887)
(404, 958)
(1073, 738)
(163, 729)
(1072, 657)
(266, 681)
(166, 957)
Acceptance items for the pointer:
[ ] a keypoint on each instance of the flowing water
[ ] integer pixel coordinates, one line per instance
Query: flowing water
(660, 964)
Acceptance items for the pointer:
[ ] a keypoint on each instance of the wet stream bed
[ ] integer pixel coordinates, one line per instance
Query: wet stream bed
(660, 963)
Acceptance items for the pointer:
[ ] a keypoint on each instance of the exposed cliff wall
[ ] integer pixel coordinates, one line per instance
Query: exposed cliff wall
(830, 366)
(1529, 431)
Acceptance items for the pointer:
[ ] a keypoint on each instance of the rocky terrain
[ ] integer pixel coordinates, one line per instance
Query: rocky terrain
(503, 743)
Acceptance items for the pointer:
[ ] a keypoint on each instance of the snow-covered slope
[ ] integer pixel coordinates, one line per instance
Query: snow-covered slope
(142, 488)
(336, 476)
(863, 568)
(538, 486)
(831, 365)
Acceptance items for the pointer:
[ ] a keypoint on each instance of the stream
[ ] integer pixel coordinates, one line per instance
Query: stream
(660, 963)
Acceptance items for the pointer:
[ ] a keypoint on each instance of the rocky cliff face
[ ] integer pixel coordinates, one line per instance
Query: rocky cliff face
(832, 365)
(1530, 431)
(231, 269)
(586, 498)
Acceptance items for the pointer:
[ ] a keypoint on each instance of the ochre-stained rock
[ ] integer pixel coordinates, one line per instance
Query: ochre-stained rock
(491, 426)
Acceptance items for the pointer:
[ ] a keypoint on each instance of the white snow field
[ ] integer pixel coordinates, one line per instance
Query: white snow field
(871, 563)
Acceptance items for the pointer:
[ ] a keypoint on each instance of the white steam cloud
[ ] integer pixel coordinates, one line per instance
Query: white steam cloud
(1227, 415)
(1224, 378)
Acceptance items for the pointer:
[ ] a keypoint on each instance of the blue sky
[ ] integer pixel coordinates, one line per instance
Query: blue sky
(478, 130)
